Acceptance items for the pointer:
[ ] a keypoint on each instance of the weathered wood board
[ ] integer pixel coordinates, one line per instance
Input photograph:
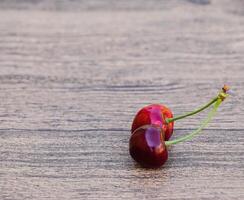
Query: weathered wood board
(74, 73)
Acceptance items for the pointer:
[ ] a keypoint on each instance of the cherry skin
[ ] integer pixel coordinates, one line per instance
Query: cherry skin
(154, 114)
(147, 146)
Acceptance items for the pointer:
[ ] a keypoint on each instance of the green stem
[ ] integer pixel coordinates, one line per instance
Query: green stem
(197, 131)
(169, 120)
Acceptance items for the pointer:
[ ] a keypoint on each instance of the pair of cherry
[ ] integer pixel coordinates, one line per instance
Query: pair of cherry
(153, 126)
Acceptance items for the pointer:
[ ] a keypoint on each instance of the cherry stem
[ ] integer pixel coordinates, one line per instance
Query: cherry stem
(222, 95)
(197, 131)
(217, 101)
(169, 120)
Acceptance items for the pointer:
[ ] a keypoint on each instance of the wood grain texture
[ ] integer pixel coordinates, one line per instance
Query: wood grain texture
(73, 74)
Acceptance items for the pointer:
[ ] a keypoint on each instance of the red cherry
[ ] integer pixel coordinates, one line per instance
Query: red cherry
(147, 146)
(154, 114)
(153, 125)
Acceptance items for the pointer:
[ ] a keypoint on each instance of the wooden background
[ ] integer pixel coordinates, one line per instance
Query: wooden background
(74, 73)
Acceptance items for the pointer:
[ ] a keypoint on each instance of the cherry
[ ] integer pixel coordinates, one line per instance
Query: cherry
(153, 126)
(154, 114)
(147, 146)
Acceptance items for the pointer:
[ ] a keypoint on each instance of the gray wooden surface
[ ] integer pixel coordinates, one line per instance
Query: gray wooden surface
(73, 74)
